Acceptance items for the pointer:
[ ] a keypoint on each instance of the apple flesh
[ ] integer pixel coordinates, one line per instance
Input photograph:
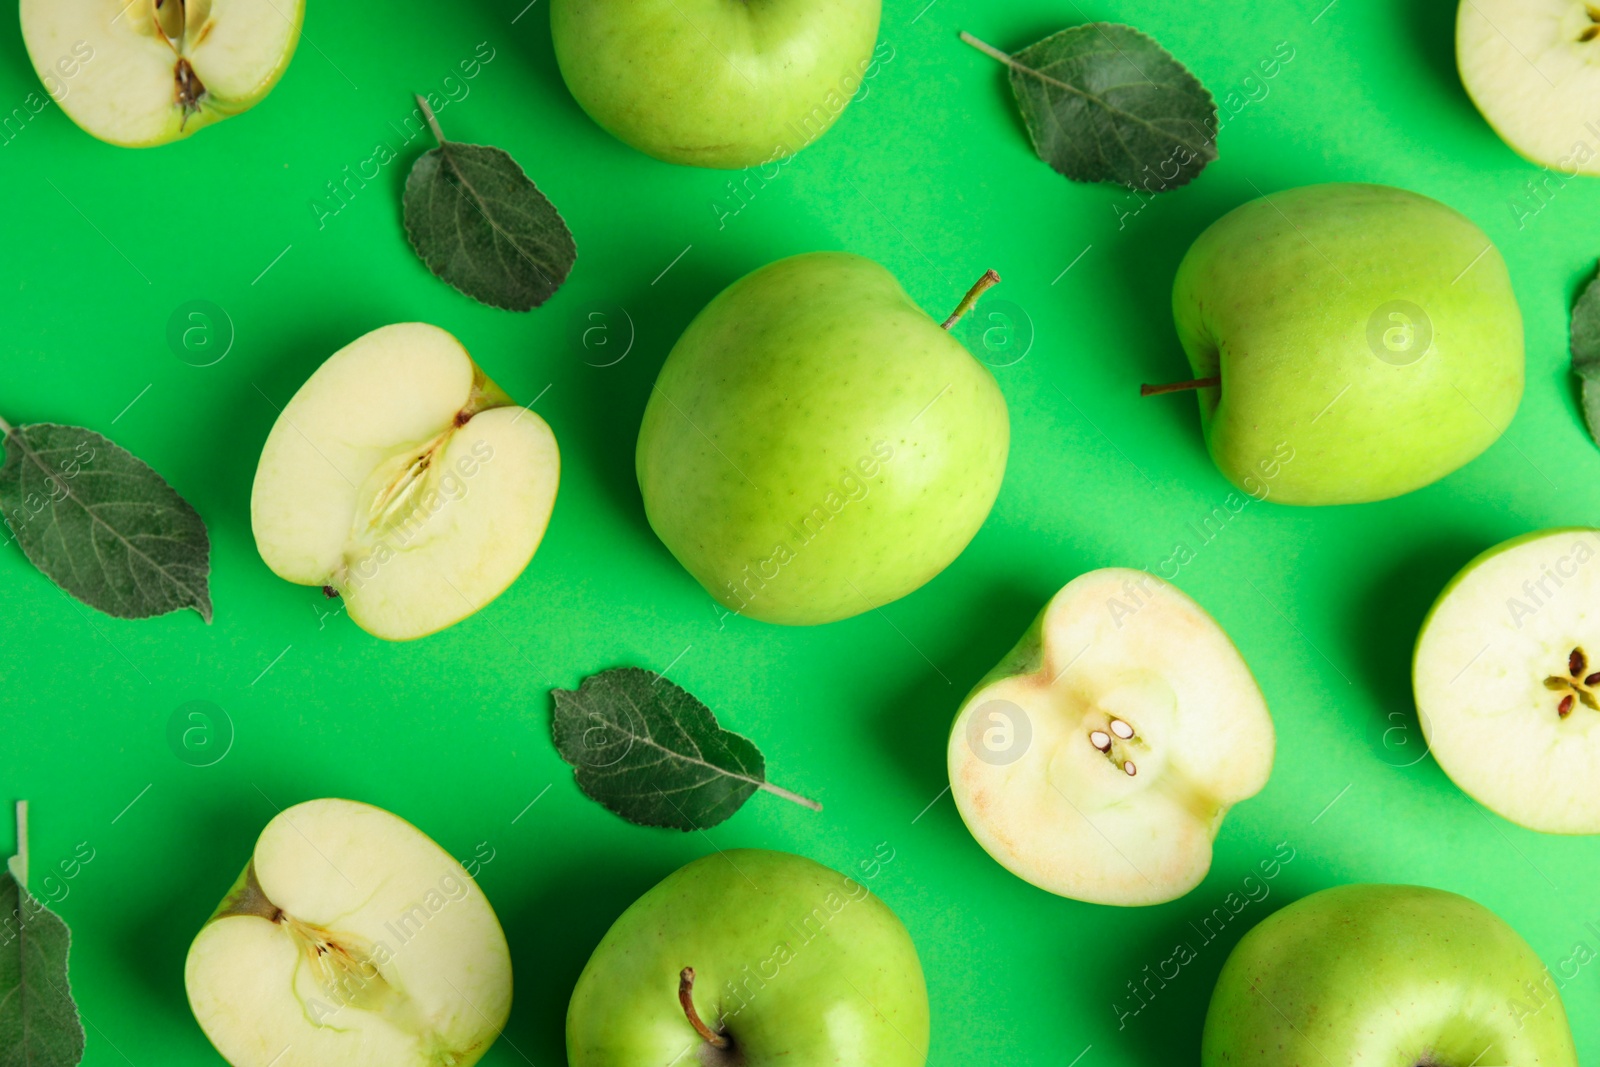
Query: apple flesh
(1385, 974)
(1533, 69)
(1366, 339)
(789, 964)
(1098, 759)
(816, 445)
(146, 72)
(402, 478)
(714, 83)
(350, 938)
(1507, 680)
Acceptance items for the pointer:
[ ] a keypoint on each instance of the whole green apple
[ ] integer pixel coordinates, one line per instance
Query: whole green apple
(1385, 974)
(1350, 342)
(752, 958)
(816, 445)
(715, 83)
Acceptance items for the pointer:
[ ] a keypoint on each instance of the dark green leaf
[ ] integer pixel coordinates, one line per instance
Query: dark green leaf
(39, 1024)
(1105, 103)
(102, 525)
(652, 753)
(1586, 353)
(480, 224)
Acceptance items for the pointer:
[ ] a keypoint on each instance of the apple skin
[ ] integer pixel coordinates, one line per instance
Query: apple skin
(816, 446)
(1281, 296)
(852, 995)
(1385, 974)
(714, 83)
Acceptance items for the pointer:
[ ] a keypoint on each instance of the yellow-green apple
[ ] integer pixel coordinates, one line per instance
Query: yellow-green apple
(404, 480)
(1098, 759)
(352, 939)
(1507, 680)
(1393, 974)
(816, 445)
(146, 72)
(714, 83)
(751, 958)
(1367, 331)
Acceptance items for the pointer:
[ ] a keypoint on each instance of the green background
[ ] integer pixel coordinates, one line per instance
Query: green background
(930, 173)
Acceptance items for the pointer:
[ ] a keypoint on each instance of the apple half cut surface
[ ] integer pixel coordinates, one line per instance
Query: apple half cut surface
(1507, 680)
(1098, 759)
(351, 938)
(1533, 69)
(404, 480)
(146, 72)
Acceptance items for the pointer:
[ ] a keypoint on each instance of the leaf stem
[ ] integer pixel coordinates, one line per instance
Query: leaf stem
(987, 49)
(778, 790)
(433, 123)
(979, 287)
(5, 428)
(21, 865)
(686, 999)
(1179, 387)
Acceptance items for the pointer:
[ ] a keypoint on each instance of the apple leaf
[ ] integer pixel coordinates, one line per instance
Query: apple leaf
(101, 524)
(653, 754)
(39, 1023)
(1105, 103)
(480, 224)
(1586, 353)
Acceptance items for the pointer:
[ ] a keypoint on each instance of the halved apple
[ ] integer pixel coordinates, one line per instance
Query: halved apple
(1507, 680)
(403, 479)
(1098, 759)
(351, 939)
(146, 72)
(1533, 69)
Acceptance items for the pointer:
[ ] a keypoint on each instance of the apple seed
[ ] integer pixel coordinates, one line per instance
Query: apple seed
(1128, 768)
(1591, 31)
(1100, 739)
(1121, 729)
(1577, 686)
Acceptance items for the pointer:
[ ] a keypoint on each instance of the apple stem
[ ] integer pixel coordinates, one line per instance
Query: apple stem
(778, 790)
(987, 49)
(686, 998)
(433, 123)
(22, 843)
(1179, 387)
(979, 287)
